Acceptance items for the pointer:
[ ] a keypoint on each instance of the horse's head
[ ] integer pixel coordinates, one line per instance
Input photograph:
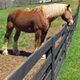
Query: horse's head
(67, 15)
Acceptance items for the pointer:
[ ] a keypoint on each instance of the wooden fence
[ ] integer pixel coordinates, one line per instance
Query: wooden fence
(55, 55)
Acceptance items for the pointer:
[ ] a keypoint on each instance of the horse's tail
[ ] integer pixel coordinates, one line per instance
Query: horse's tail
(10, 26)
(11, 21)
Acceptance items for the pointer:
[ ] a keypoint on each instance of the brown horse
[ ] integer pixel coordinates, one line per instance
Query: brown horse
(36, 21)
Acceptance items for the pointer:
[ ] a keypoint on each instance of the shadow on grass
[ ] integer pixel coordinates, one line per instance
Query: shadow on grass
(22, 53)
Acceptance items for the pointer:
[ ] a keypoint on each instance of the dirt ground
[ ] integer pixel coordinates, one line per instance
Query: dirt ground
(10, 62)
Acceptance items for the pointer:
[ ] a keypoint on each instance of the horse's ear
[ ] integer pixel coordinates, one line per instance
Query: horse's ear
(68, 6)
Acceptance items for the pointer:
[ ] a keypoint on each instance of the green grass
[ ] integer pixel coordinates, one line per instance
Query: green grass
(70, 69)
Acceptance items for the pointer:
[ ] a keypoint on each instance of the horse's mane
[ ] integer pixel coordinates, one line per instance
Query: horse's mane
(28, 9)
(53, 9)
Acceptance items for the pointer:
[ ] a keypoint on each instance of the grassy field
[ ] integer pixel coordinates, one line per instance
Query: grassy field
(71, 68)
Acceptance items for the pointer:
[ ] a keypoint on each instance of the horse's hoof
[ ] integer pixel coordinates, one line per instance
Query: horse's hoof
(5, 52)
(36, 49)
(18, 53)
(43, 57)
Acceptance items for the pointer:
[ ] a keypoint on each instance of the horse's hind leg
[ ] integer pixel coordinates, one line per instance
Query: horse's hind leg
(6, 38)
(15, 46)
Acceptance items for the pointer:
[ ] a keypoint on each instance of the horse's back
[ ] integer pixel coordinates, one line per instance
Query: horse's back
(26, 18)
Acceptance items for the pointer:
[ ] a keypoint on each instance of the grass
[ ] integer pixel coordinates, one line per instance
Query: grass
(71, 67)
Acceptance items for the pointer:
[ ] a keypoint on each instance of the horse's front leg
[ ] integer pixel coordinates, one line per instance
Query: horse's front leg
(43, 35)
(37, 38)
(15, 46)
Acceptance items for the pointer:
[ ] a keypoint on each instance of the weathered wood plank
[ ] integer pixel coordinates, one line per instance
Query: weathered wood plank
(60, 54)
(20, 72)
(59, 34)
(58, 47)
(43, 68)
(48, 77)
(58, 67)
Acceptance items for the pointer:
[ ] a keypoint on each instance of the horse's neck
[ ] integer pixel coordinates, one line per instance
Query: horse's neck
(53, 10)
(50, 19)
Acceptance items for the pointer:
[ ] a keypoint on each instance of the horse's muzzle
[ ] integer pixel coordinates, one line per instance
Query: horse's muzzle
(71, 22)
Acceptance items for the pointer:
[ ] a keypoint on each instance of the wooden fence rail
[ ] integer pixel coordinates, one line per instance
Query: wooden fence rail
(55, 55)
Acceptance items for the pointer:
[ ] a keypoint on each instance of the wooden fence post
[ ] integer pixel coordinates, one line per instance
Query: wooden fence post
(66, 42)
(53, 59)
